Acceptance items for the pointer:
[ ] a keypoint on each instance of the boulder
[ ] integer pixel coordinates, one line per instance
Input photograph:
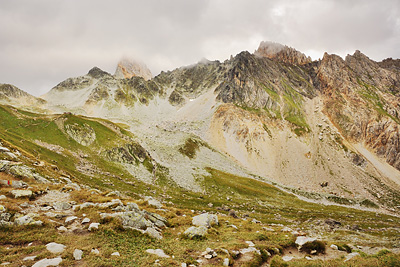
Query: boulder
(153, 233)
(93, 226)
(129, 219)
(21, 193)
(29, 258)
(78, 254)
(95, 251)
(193, 232)
(55, 248)
(86, 220)
(62, 229)
(24, 171)
(62, 206)
(205, 219)
(116, 254)
(27, 220)
(70, 219)
(48, 262)
(14, 184)
(153, 202)
(158, 252)
(301, 240)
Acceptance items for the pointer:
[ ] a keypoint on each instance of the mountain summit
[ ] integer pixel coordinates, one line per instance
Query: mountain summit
(128, 68)
(281, 53)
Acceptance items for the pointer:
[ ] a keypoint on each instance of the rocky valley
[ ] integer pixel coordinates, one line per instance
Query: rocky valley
(265, 159)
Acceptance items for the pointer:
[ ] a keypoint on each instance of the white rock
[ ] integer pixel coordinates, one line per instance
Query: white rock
(95, 251)
(55, 248)
(301, 240)
(115, 254)
(287, 258)
(251, 244)
(48, 262)
(62, 229)
(286, 229)
(70, 219)
(208, 256)
(183, 264)
(334, 247)
(5, 263)
(78, 254)
(308, 258)
(226, 262)
(21, 193)
(159, 252)
(2, 197)
(93, 226)
(153, 233)
(153, 202)
(86, 220)
(29, 258)
(351, 255)
(205, 219)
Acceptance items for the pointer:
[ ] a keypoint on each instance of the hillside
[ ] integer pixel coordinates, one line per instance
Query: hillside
(263, 159)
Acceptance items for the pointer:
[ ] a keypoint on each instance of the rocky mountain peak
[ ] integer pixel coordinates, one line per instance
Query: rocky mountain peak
(98, 73)
(128, 68)
(281, 53)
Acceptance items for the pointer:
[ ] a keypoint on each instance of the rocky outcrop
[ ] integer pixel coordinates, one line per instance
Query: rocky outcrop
(83, 134)
(359, 98)
(281, 53)
(128, 68)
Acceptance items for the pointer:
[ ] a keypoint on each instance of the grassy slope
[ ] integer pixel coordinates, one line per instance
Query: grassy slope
(248, 197)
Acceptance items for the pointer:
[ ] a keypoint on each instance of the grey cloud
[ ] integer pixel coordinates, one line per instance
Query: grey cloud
(43, 42)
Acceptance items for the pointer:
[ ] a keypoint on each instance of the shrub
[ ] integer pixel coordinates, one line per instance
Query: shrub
(316, 245)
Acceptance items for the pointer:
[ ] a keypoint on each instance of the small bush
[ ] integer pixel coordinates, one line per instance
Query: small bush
(316, 245)
(344, 247)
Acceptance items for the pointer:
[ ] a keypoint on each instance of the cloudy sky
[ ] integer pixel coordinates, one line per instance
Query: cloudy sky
(43, 42)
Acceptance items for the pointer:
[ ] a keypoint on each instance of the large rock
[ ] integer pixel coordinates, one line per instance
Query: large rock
(205, 219)
(153, 233)
(48, 262)
(18, 193)
(14, 184)
(24, 171)
(78, 254)
(158, 252)
(55, 247)
(27, 220)
(193, 232)
(301, 240)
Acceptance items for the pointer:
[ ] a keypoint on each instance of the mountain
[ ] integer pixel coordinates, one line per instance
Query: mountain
(274, 114)
(262, 151)
(128, 68)
(10, 94)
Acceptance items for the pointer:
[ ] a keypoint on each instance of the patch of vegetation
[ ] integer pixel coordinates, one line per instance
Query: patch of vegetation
(371, 95)
(190, 147)
(369, 204)
(344, 247)
(316, 245)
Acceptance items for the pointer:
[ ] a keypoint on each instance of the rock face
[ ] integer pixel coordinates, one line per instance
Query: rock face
(282, 53)
(128, 68)
(361, 99)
